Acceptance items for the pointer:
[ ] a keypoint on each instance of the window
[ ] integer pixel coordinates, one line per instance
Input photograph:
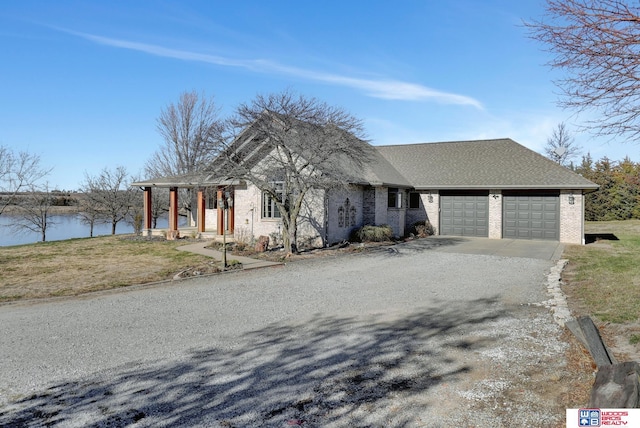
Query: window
(269, 207)
(395, 198)
(414, 200)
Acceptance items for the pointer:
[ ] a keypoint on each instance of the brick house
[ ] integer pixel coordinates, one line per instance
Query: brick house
(488, 188)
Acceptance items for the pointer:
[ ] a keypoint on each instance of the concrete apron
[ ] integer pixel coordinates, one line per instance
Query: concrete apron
(533, 249)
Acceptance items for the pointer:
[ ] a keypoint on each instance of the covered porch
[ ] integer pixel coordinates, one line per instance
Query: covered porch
(215, 197)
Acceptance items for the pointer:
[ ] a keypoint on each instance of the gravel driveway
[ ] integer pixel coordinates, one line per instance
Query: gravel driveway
(403, 337)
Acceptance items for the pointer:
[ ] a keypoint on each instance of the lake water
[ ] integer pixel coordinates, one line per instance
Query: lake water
(63, 227)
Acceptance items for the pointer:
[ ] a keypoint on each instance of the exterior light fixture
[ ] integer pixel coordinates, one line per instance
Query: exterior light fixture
(495, 196)
(430, 198)
(572, 199)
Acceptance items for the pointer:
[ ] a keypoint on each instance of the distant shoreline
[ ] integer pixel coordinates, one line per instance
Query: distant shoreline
(54, 210)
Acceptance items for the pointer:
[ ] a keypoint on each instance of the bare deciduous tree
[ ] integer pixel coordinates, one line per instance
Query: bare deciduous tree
(34, 211)
(88, 213)
(159, 205)
(596, 43)
(561, 146)
(109, 195)
(289, 144)
(192, 134)
(18, 172)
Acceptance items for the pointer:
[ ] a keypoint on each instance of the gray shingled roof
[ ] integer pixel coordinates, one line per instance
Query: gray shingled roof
(487, 164)
(483, 164)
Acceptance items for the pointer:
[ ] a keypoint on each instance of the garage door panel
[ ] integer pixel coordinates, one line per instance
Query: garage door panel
(530, 216)
(464, 215)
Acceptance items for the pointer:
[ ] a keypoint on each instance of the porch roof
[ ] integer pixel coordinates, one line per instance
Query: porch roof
(193, 180)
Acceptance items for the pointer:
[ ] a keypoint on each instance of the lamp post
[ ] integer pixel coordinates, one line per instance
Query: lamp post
(226, 202)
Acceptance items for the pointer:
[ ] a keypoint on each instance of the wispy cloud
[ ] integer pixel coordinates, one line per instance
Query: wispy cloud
(376, 88)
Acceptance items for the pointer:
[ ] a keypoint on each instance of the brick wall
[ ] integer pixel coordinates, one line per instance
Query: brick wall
(250, 224)
(572, 217)
(495, 214)
(427, 211)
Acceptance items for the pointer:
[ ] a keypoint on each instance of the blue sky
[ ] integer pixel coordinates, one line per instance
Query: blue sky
(83, 82)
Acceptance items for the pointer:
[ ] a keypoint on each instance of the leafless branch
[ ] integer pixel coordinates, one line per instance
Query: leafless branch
(597, 44)
(34, 212)
(287, 144)
(561, 146)
(108, 197)
(18, 171)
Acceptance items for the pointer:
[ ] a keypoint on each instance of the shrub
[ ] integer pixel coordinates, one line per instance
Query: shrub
(370, 233)
(422, 229)
(234, 264)
(242, 237)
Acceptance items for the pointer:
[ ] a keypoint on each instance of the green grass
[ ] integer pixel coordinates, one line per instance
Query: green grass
(605, 277)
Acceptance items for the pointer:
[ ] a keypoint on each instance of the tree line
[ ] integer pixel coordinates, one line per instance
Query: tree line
(618, 197)
(105, 197)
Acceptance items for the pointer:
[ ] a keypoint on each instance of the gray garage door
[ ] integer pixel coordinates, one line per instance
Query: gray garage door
(464, 214)
(531, 216)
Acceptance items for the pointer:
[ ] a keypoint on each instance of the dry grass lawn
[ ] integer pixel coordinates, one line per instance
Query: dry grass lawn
(72, 267)
(603, 280)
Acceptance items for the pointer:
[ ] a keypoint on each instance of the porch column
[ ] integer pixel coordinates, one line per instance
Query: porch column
(147, 207)
(231, 217)
(201, 207)
(173, 208)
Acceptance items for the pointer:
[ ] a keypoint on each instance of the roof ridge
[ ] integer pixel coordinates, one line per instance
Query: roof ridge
(446, 142)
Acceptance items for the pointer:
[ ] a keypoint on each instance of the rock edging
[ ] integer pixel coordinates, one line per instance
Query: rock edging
(558, 302)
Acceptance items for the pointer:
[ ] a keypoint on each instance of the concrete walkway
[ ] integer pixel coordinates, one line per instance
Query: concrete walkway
(247, 262)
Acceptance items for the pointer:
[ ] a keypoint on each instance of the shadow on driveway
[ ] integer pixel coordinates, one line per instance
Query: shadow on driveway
(329, 371)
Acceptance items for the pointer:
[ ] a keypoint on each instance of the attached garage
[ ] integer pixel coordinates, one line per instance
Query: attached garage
(532, 215)
(464, 213)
